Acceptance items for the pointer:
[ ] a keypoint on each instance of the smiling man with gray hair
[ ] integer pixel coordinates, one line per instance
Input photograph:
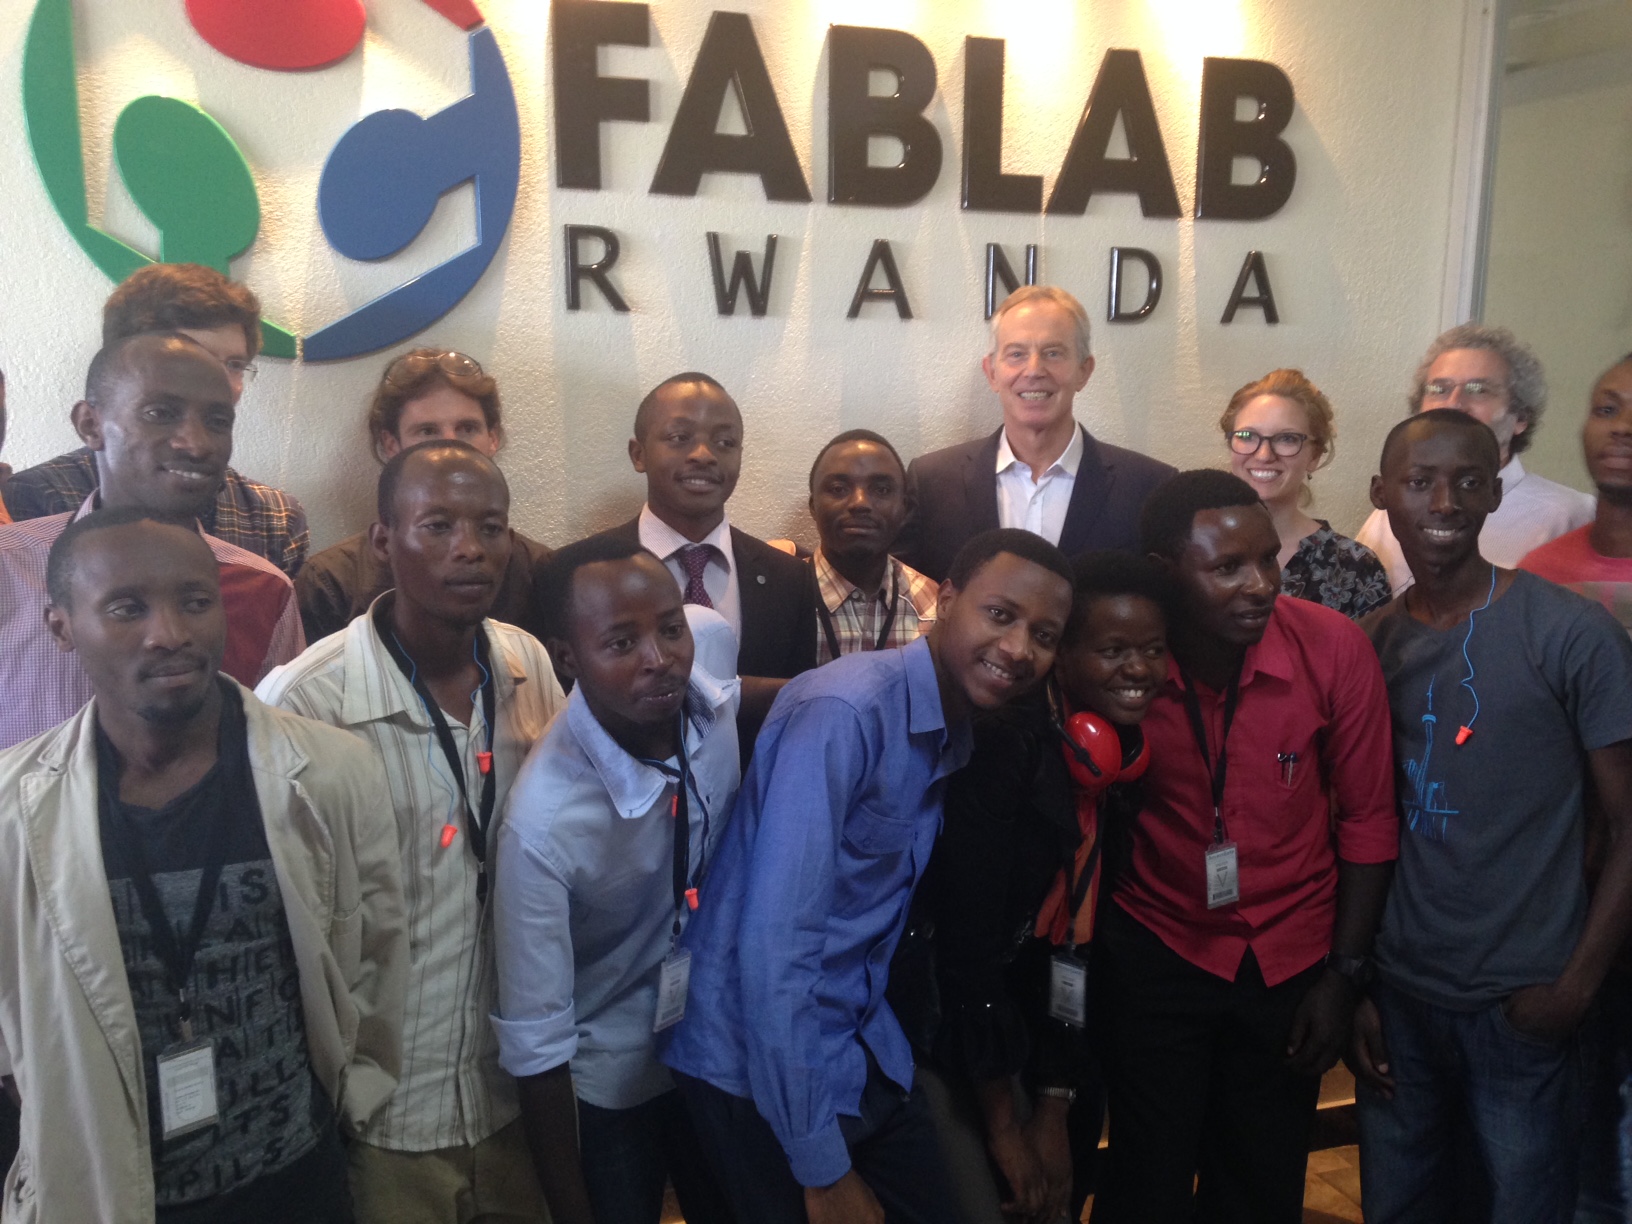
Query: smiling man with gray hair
(1041, 471)
(1488, 373)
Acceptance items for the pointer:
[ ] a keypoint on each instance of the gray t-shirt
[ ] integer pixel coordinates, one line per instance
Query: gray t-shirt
(1489, 894)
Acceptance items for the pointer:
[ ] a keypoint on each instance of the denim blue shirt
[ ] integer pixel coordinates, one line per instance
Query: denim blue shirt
(808, 895)
(583, 897)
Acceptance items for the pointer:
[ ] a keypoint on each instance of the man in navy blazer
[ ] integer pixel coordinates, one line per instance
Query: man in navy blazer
(1041, 471)
(688, 444)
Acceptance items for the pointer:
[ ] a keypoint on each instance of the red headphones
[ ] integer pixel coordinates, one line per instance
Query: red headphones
(1094, 754)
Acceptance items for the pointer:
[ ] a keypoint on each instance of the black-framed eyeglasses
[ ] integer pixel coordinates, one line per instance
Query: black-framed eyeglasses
(1247, 442)
(410, 366)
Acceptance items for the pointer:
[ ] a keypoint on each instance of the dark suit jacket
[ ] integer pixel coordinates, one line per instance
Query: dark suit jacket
(955, 492)
(778, 597)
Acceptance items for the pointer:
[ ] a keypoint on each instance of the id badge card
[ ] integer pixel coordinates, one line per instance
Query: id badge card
(672, 981)
(1068, 990)
(187, 1099)
(1223, 875)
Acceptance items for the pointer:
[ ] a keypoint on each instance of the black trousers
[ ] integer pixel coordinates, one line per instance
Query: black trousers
(1198, 1087)
(892, 1144)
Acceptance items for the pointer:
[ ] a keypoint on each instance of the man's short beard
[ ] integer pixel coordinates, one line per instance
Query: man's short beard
(173, 716)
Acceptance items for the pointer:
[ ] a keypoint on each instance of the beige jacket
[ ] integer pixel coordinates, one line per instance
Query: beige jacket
(67, 1025)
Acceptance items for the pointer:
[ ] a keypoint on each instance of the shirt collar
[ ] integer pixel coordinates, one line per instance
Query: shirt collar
(1512, 472)
(926, 716)
(1068, 462)
(665, 541)
(93, 502)
(835, 588)
(376, 689)
(1271, 655)
(632, 786)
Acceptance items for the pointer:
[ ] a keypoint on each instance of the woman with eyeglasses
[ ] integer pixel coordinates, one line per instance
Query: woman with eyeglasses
(1280, 432)
(424, 395)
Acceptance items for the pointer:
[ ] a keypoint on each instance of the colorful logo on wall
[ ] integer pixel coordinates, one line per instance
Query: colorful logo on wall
(379, 186)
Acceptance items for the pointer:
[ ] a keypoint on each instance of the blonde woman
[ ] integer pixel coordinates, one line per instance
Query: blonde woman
(1279, 431)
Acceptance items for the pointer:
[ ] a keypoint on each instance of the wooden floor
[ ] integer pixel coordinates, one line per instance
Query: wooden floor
(1331, 1190)
(1331, 1187)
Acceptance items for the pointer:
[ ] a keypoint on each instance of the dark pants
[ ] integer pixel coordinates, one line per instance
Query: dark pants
(311, 1190)
(1608, 1047)
(892, 1146)
(1468, 1081)
(629, 1154)
(1199, 1090)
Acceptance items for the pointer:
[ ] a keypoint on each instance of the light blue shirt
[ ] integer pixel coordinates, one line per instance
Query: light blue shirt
(583, 894)
(808, 896)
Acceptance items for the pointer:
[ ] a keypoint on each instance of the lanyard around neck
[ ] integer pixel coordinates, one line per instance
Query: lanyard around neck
(1215, 773)
(477, 820)
(883, 634)
(685, 884)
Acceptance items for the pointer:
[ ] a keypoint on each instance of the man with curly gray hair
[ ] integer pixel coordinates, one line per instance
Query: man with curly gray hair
(1488, 373)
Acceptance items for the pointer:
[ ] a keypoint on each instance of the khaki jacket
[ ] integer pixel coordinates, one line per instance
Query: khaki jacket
(67, 1025)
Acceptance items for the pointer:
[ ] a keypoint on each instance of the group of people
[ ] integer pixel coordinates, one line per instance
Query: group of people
(443, 877)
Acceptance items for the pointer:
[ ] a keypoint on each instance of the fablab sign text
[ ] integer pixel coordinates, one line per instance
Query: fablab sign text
(729, 60)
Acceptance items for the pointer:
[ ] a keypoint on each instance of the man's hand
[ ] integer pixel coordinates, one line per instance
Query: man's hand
(1047, 1132)
(1550, 1011)
(1321, 1024)
(1012, 1150)
(1368, 1053)
(847, 1201)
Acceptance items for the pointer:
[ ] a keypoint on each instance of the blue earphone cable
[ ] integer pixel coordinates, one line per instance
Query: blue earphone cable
(1467, 681)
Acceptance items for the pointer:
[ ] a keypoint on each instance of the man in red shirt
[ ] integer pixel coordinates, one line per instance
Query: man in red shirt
(1236, 943)
(1596, 560)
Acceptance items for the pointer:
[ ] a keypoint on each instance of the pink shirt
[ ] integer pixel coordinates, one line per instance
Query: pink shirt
(1571, 561)
(42, 686)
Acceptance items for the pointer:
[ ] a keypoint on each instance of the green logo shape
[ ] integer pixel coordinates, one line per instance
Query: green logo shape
(185, 173)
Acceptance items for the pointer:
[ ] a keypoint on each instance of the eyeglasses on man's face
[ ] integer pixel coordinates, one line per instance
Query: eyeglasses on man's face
(1248, 442)
(1472, 388)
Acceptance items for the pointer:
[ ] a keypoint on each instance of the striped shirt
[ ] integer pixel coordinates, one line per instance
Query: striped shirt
(257, 518)
(857, 617)
(44, 686)
(452, 1092)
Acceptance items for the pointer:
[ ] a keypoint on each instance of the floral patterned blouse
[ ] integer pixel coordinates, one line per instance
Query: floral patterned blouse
(1336, 571)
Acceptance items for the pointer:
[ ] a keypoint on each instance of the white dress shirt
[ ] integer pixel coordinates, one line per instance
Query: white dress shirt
(1037, 506)
(719, 579)
(584, 904)
(451, 1092)
(1534, 510)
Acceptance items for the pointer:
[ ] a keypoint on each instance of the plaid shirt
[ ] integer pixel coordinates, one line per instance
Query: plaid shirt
(257, 518)
(857, 619)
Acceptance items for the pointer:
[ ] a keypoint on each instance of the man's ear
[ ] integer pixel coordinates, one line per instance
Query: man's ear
(1377, 493)
(379, 543)
(944, 599)
(1085, 371)
(566, 663)
(1496, 492)
(87, 423)
(1167, 563)
(62, 632)
(637, 455)
(986, 367)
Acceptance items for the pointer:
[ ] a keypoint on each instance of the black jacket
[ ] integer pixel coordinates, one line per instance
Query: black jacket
(955, 499)
(778, 598)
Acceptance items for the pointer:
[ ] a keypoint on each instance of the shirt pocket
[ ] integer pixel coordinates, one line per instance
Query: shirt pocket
(872, 834)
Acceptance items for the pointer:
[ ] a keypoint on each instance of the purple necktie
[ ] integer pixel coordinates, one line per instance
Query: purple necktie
(694, 560)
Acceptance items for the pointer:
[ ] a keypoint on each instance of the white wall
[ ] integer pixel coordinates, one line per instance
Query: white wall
(1356, 255)
(1560, 270)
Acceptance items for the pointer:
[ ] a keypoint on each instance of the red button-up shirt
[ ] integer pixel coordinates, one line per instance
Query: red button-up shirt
(1311, 688)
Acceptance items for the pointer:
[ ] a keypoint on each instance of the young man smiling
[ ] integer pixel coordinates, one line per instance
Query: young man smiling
(1234, 948)
(595, 867)
(1508, 695)
(158, 415)
(203, 961)
(865, 598)
(688, 444)
(452, 701)
(797, 1073)
(225, 318)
